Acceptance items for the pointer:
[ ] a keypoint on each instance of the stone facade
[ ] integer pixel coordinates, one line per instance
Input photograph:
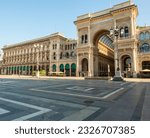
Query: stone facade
(97, 25)
(143, 51)
(52, 53)
(94, 53)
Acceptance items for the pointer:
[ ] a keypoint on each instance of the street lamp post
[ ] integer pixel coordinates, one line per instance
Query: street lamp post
(115, 33)
(37, 46)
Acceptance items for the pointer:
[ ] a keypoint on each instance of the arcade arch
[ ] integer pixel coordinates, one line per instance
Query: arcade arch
(104, 59)
(126, 65)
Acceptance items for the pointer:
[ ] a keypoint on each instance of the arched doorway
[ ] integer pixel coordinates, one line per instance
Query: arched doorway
(54, 68)
(73, 69)
(61, 68)
(127, 66)
(67, 69)
(104, 58)
(84, 67)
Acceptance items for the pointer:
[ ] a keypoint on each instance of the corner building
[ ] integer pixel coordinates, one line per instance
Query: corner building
(94, 53)
(53, 53)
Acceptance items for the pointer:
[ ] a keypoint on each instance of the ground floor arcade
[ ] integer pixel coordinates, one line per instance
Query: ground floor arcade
(45, 69)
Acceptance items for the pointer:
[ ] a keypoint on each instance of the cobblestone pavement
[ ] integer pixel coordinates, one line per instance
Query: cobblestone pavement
(57, 99)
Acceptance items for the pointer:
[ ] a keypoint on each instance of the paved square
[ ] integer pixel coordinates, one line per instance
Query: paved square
(54, 100)
(81, 90)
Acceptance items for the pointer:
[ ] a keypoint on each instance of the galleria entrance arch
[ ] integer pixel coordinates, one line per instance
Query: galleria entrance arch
(95, 43)
(103, 44)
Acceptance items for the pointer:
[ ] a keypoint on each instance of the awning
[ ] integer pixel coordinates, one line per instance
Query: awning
(73, 66)
(67, 66)
(54, 66)
(24, 68)
(61, 66)
(20, 67)
(28, 68)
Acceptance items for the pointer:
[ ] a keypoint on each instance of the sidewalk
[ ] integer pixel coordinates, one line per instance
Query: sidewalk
(137, 79)
(40, 78)
(66, 78)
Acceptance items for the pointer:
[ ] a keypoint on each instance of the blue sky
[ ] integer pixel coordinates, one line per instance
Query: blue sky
(22, 20)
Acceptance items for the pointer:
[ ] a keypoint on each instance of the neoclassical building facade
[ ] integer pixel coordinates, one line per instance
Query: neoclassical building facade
(94, 53)
(53, 53)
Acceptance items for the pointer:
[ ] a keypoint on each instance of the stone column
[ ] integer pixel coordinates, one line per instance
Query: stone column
(78, 60)
(134, 61)
(50, 58)
(57, 57)
(96, 66)
(90, 64)
(70, 69)
(77, 66)
(116, 50)
(132, 26)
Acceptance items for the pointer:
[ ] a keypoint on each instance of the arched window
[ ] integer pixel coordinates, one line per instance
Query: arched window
(147, 35)
(145, 48)
(84, 64)
(54, 55)
(86, 38)
(142, 36)
(72, 54)
(121, 32)
(126, 31)
(82, 39)
(67, 55)
(61, 55)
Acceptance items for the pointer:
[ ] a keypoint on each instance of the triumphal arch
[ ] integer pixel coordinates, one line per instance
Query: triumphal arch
(101, 54)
